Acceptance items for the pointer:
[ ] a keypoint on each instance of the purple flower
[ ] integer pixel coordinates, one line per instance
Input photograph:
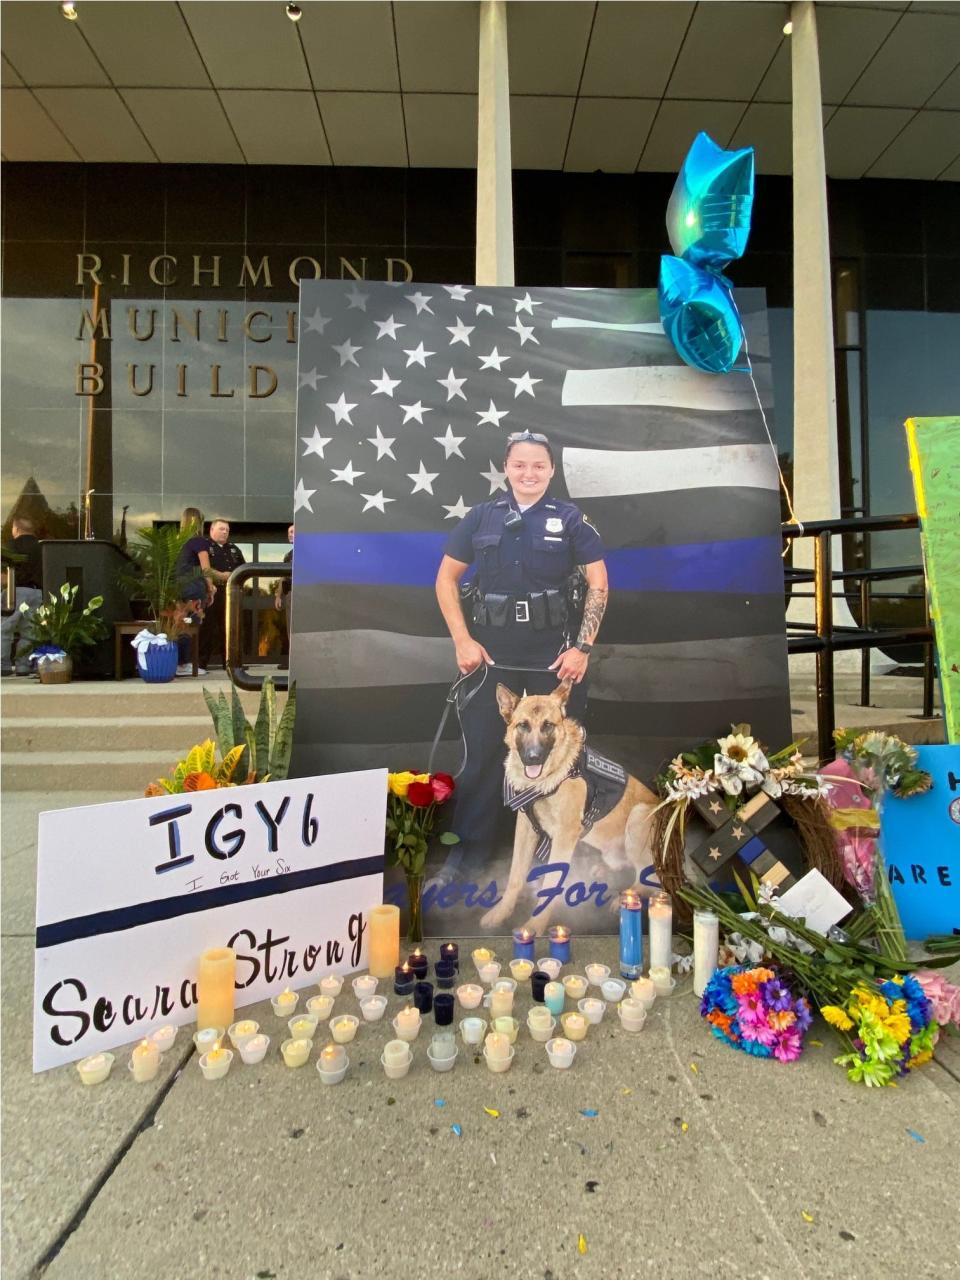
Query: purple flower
(804, 1018)
(776, 995)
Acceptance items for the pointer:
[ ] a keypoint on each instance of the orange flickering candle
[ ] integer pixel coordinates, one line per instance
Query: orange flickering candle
(215, 987)
(384, 940)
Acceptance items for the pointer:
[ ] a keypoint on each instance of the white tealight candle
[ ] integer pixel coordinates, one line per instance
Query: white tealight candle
(216, 1063)
(320, 1007)
(550, 966)
(597, 973)
(470, 995)
(332, 1057)
(539, 1016)
(396, 1052)
(285, 1003)
(489, 972)
(472, 1030)
(661, 979)
(255, 1049)
(296, 1052)
(344, 1028)
(206, 1038)
(575, 986)
(96, 1068)
(574, 1026)
(330, 985)
(241, 1032)
(365, 987)
(164, 1037)
(561, 1048)
(497, 1046)
(593, 1010)
(303, 1027)
(644, 991)
(482, 955)
(501, 1004)
(145, 1061)
(521, 969)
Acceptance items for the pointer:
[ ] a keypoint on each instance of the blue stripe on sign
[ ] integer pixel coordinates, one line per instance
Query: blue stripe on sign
(742, 565)
(51, 935)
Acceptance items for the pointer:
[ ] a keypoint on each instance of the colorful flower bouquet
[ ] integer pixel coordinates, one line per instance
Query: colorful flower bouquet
(892, 1028)
(412, 803)
(755, 1012)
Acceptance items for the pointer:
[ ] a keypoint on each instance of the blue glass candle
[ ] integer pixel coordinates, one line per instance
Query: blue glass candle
(403, 980)
(538, 982)
(553, 997)
(423, 996)
(524, 941)
(560, 943)
(450, 952)
(631, 934)
(418, 963)
(446, 975)
(443, 1009)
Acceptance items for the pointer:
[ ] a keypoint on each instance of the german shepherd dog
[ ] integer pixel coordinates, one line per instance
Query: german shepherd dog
(543, 748)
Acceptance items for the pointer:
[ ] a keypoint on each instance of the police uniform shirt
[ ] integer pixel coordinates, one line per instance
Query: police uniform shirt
(536, 554)
(225, 558)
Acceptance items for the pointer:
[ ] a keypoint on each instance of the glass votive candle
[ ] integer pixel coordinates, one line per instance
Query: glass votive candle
(662, 979)
(553, 997)
(440, 1057)
(145, 1062)
(482, 955)
(612, 990)
(96, 1068)
(473, 1030)
(207, 1038)
(469, 995)
(561, 1053)
(450, 954)
(418, 963)
(489, 972)
(254, 1050)
(592, 1009)
(644, 991)
(364, 987)
(524, 941)
(574, 1026)
(521, 970)
(403, 979)
(164, 1037)
(597, 973)
(303, 1026)
(550, 966)
(632, 1014)
(285, 1003)
(330, 986)
(241, 1032)
(321, 1007)
(423, 996)
(446, 975)
(296, 1052)
(216, 1063)
(443, 1003)
(538, 983)
(407, 1023)
(498, 1052)
(501, 1004)
(559, 936)
(506, 1026)
(540, 1024)
(575, 985)
(373, 1009)
(344, 1028)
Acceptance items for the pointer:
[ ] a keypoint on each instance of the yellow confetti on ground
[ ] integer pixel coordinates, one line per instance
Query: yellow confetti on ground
(817, 1044)
(581, 1243)
(807, 1217)
(491, 1111)
(694, 1068)
(626, 1092)
(684, 1126)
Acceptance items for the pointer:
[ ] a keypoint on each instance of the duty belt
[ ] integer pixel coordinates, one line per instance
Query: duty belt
(541, 610)
(606, 782)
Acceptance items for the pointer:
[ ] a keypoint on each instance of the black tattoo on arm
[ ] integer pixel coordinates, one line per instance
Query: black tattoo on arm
(594, 608)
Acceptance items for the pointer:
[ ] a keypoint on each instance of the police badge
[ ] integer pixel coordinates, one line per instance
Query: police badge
(554, 525)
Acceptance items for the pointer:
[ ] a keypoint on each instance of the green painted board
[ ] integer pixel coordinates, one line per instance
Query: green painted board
(934, 445)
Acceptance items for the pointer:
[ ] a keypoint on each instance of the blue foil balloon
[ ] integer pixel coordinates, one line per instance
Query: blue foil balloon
(699, 315)
(708, 217)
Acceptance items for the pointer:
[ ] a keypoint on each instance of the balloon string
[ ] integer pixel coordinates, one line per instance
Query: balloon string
(766, 426)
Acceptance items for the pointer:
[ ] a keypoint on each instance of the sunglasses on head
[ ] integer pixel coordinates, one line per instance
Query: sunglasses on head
(535, 436)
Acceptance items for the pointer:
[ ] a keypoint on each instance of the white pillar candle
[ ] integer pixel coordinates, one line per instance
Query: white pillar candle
(501, 1004)
(396, 1052)
(145, 1061)
(661, 930)
(332, 1057)
(706, 948)
(497, 1046)
(644, 991)
(539, 1016)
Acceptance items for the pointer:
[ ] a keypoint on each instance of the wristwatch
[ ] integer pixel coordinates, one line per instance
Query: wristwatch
(584, 647)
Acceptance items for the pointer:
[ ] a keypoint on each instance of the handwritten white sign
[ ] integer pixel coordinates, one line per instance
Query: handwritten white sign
(129, 894)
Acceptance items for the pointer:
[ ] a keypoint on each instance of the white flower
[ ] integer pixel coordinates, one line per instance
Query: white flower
(24, 607)
(65, 591)
(683, 963)
(768, 894)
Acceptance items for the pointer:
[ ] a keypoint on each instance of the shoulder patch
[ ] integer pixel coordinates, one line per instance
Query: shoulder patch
(587, 520)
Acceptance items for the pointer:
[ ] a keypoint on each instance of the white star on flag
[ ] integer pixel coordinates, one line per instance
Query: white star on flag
(384, 385)
(526, 303)
(420, 301)
(491, 415)
(484, 306)
(383, 444)
(457, 292)
(497, 478)
(315, 324)
(457, 511)
(452, 385)
(346, 474)
(301, 497)
(493, 361)
(523, 332)
(414, 411)
(341, 410)
(315, 443)
(309, 379)
(422, 479)
(346, 352)
(359, 300)
(376, 500)
(524, 384)
(418, 356)
(451, 443)
(388, 329)
(461, 332)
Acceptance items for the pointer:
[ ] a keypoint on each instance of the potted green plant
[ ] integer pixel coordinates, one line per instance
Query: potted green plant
(157, 579)
(55, 632)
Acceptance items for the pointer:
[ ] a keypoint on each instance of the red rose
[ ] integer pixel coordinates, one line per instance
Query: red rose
(443, 786)
(420, 794)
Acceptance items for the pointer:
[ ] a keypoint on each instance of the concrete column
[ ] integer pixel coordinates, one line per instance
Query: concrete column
(494, 191)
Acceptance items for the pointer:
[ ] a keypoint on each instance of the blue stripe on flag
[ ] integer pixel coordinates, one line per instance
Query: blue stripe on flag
(748, 565)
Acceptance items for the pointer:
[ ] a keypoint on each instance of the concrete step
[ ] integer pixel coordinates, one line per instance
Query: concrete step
(84, 770)
(108, 733)
(21, 698)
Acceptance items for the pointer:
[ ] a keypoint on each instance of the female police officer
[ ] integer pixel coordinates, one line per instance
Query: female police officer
(525, 548)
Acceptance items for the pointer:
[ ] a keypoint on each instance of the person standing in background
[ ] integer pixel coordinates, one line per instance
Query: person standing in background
(225, 556)
(193, 563)
(24, 551)
(281, 600)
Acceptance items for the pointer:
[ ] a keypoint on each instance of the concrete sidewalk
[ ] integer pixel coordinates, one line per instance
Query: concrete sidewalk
(700, 1162)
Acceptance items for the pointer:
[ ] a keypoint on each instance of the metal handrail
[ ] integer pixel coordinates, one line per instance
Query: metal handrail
(239, 674)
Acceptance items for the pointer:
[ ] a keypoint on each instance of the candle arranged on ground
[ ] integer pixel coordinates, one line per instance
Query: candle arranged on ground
(521, 970)
(538, 984)
(302, 1027)
(365, 987)
(96, 1068)
(644, 991)
(423, 996)
(539, 1016)
(489, 972)
(469, 995)
(296, 1052)
(560, 1052)
(592, 1009)
(216, 1063)
(497, 1046)
(631, 934)
(574, 1026)
(418, 963)
(446, 972)
(482, 955)
(472, 1030)
(443, 1009)
(450, 953)
(662, 981)
(255, 1049)
(344, 1028)
(396, 1051)
(330, 986)
(164, 1037)
(660, 914)
(597, 973)
(332, 1057)
(560, 943)
(550, 966)
(501, 1003)
(553, 997)
(241, 1032)
(216, 976)
(706, 948)
(384, 940)
(206, 1038)
(285, 1003)
(320, 1007)
(524, 941)
(145, 1061)
(403, 979)
(575, 985)
(407, 1023)
(632, 1014)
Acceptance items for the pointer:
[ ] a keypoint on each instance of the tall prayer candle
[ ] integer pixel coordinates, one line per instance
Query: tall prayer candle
(660, 915)
(215, 987)
(384, 940)
(560, 943)
(706, 946)
(524, 941)
(631, 934)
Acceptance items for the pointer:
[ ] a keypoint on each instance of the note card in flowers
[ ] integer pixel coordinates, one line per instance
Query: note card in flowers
(129, 894)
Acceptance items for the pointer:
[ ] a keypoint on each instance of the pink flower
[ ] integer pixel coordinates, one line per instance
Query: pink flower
(845, 795)
(858, 853)
(943, 996)
(788, 1047)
